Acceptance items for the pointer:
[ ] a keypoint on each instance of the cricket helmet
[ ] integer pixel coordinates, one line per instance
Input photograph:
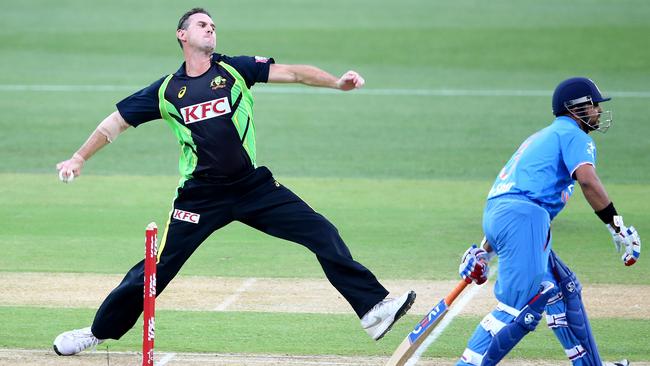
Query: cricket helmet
(573, 96)
(575, 91)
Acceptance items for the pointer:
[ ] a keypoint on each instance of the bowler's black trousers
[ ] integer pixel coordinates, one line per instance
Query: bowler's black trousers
(256, 200)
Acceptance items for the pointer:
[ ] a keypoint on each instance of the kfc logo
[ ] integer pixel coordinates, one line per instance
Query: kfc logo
(205, 110)
(186, 216)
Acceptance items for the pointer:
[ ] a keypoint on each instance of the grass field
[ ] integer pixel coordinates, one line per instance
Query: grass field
(401, 167)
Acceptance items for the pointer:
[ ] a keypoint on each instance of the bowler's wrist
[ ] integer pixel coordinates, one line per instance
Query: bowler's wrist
(77, 157)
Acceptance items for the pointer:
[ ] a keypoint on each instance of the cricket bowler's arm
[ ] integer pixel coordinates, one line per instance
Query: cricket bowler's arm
(313, 76)
(422, 330)
(105, 133)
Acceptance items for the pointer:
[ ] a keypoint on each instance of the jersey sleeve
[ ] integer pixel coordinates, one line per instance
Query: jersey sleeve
(141, 106)
(578, 150)
(254, 69)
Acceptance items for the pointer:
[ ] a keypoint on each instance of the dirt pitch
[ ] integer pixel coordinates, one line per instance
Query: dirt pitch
(269, 294)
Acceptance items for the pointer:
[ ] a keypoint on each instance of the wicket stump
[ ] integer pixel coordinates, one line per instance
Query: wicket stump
(150, 257)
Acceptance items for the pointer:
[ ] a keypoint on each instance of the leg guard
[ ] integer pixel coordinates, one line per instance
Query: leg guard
(523, 324)
(556, 320)
(575, 314)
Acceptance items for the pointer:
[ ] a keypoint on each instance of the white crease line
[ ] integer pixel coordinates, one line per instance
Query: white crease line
(232, 298)
(455, 310)
(250, 360)
(267, 89)
(239, 359)
(211, 358)
(168, 357)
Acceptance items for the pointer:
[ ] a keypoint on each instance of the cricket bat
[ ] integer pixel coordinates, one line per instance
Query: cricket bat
(424, 327)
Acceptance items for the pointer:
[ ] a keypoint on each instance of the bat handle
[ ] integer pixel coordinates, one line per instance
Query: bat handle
(455, 292)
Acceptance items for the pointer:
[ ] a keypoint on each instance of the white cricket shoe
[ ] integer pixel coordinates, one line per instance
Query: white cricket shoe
(378, 321)
(74, 341)
(623, 362)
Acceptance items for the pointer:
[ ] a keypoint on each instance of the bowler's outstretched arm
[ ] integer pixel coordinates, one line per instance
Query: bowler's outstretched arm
(313, 76)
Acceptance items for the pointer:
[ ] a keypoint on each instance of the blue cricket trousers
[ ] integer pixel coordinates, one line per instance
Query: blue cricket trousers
(519, 231)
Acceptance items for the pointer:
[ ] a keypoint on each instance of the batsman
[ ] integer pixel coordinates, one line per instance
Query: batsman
(531, 189)
(208, 105)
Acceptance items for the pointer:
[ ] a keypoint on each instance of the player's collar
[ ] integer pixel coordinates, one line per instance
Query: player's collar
(567, 119)
(181, 72)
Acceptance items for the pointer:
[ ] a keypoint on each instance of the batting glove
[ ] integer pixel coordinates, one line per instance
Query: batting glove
(473, 265)
(625, 237)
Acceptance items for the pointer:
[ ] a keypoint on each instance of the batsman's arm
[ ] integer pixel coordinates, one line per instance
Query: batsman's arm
(624, 237)
(485, 244)
(105, 133)
(313, 76)
(592, 188)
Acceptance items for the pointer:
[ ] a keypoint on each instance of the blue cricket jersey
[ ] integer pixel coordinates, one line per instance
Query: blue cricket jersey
(542, 168)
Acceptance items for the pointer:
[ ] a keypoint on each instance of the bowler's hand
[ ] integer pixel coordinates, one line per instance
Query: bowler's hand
(625, 238)
(68, 169)
(350, 80)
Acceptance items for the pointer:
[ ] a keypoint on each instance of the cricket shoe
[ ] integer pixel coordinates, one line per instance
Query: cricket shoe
(623, 362)
(378, 321)
(74, 341)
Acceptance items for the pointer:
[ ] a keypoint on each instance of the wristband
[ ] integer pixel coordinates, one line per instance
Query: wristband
(607, 214)
(78, 156)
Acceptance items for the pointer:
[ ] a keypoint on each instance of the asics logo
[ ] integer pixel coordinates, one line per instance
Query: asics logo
(529, 318)
(571, 287)
(376, 320)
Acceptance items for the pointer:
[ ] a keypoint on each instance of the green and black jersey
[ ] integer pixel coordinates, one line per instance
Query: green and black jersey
(211, 115)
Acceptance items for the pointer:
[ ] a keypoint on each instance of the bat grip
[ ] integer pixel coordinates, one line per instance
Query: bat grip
(455, 292)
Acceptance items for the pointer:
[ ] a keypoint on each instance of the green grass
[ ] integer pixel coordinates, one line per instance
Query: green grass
(415, 41)
(301, 135)
(419, 233)
(403, 177)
